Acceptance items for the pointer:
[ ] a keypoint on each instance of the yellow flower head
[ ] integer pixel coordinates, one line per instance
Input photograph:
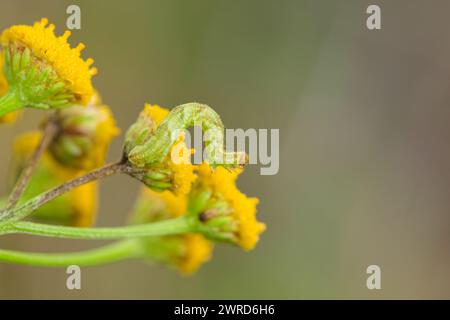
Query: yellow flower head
(185, 252)
(10, 117)
(77, 208)
(84, 136)
(196, 251)
(233, 204)
(67, 76)
(176, 172)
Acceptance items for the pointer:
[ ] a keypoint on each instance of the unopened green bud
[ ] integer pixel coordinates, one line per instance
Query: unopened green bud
(141, 131)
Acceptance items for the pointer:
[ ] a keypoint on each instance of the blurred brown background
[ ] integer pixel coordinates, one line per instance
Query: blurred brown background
(364, 120)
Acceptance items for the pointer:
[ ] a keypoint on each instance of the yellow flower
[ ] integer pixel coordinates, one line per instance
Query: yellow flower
(222, 183)
(187, 252)
(50, 73)
(154, 206)
(196, 251)
(78, 207)
(12, 116)
(56, 51)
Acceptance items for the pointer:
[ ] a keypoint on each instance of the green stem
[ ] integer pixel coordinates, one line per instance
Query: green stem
(184, 224)
(110, 253)
(21, 212)
(10, 102)
(49, 132)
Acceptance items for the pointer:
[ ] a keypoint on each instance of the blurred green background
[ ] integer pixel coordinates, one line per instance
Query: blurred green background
(364, 119)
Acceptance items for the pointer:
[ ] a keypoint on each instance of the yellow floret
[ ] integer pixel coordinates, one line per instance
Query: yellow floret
(56, 52)
(197, 251)
(157, 113)
(174, 205)
(223, 183)
(191, 250)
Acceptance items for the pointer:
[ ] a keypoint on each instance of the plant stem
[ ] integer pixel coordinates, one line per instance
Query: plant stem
(118, 251)
(184, 224)
(10, 102)
(49, 133)
(27, 208)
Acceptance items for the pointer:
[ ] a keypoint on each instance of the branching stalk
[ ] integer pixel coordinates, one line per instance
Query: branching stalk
(27, 208)
(184, 224)
(118, 251)
(49, 133)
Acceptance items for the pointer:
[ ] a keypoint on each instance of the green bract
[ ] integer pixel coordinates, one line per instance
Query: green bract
(31, 83)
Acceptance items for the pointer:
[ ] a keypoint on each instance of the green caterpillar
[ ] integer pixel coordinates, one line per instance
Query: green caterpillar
(181, 118)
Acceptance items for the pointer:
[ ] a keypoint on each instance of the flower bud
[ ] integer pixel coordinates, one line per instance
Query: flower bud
(144, 127)
(84, 135)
